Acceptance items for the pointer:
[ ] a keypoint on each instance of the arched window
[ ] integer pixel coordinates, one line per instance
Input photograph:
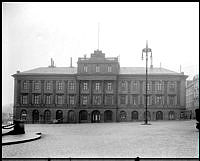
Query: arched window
(71, 116)
(83, 115)
(59, 116)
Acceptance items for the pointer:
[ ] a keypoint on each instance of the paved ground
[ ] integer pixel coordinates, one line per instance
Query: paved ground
(164, 139)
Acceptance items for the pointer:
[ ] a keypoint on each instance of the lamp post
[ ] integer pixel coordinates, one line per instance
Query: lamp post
(146, 50)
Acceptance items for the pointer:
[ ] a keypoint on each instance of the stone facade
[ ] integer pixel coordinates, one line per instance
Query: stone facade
(98, 90)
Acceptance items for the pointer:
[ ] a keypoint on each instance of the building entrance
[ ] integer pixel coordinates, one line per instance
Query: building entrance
(95, 117)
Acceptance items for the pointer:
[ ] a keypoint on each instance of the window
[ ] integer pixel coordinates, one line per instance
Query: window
(97, 100)
(59, 99)
(109, 100)
(135, 86)
(109, 68)
(135, 100)
(158, 100)
(85, 68)
(123, 85)
(109, 87)
(123, 100)
(148, 86)
(97, 68)
(25, 85)
(24, 99)
(148, 100)
(84, 100)
(36, 99)
(171, 100)
(171, 86)
(48, 99)
(85, 86)
(97, 87)
(71, 100)
(60, 85)
(159, 86)
(36, 85)
(48, 85)
(71, 86)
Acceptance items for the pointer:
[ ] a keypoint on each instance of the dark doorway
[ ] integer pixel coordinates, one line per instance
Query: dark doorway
(96, 117)
(159, 115)
(35, 116)
(134, 115)
(47, 116)
(108, 116)
(83, 116)
(59, 116)
(71, 117)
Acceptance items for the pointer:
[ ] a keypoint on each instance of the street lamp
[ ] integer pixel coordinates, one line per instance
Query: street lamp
(146, 50)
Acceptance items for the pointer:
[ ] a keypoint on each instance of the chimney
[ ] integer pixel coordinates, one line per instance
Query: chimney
(18, 72)
(151, 61)
(84, 56)
(71, 62)
(51, 62)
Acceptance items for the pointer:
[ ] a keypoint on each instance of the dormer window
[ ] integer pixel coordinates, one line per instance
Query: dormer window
(97, 68)
(85, 68)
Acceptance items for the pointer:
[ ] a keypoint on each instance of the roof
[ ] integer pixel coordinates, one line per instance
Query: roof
(50, 70)
(73, 70)
(142, 70)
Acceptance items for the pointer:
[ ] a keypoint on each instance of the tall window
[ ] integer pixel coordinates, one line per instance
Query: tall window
(109, 87)
(171, 86)
(171, 100)
(109, 100)
(97, 87)
(135, 86)
(60, 85)
(109, 68)
(48, 99)
(135, 100)
(97, 68)
(123, 100)
(59, 99)
(25, 99)
(158, 86)
(84, 100)
(25, 85)
(85, 68)
(48, 85)
(123, 85)
(36, 85)
(85, 86)
(71, 86)
(158, 100)
(148, 86)
(36, 99)
(97, 100)
(71, 100)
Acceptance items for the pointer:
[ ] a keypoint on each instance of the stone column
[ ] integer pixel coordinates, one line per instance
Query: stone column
(42, 92)
(54, 92)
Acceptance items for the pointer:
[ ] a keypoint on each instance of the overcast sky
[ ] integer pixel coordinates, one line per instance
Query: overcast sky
(35, 32)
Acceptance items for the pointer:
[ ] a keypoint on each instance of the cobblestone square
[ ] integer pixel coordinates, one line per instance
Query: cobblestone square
(163, 139)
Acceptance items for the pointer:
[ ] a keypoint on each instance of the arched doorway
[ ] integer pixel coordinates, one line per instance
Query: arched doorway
(134, 115)
(96, 117)
(35, 116)
(171, 115)
(71, 117)
(83, 116)
(59, 116)
(122, 116)
(47, 116)
(23, 115)
(159, 115)
(108, 116)
(148, 116)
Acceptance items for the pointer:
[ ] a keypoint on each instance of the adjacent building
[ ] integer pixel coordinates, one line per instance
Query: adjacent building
(98, 90)
(192, 96)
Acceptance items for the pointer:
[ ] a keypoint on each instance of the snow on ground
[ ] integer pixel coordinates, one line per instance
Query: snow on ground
(163, 139)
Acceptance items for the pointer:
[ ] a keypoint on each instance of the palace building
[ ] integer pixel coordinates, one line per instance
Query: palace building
(98, 90)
